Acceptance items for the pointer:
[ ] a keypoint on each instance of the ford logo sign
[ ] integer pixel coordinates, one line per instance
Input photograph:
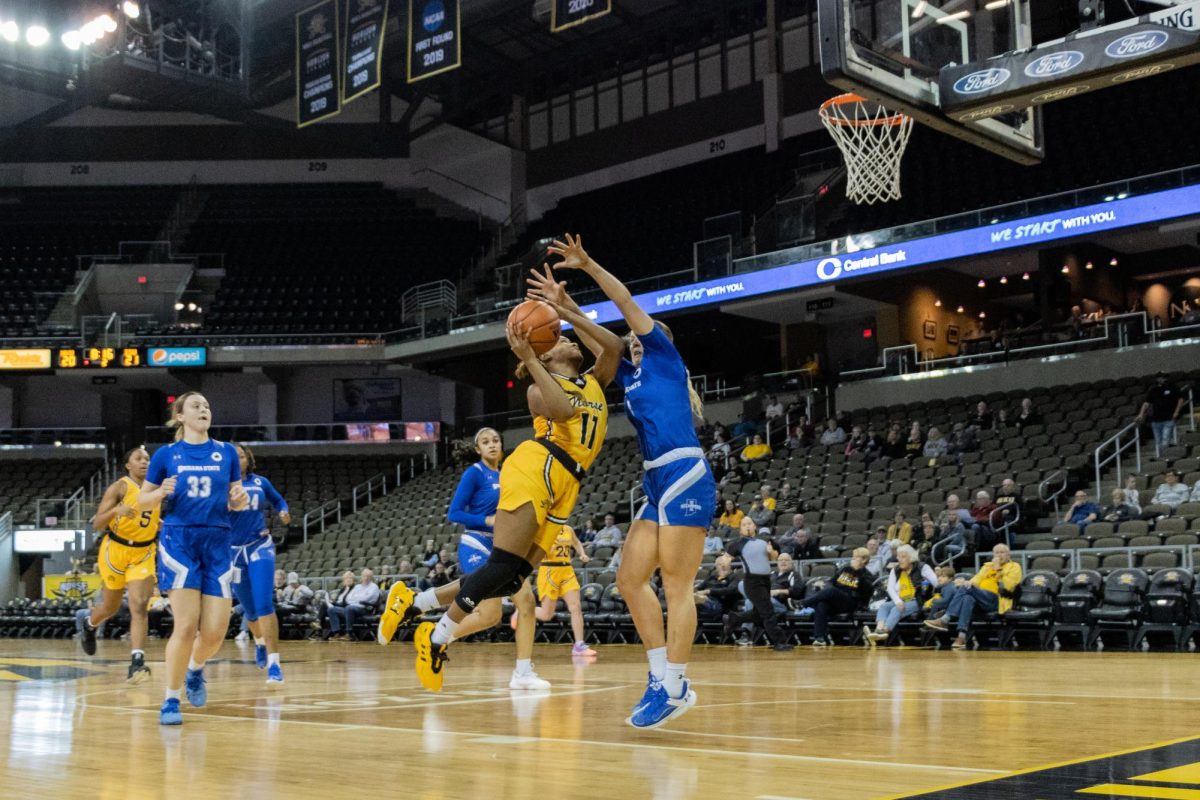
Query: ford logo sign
(1053, 64)
(981, 81)
(1136, 44)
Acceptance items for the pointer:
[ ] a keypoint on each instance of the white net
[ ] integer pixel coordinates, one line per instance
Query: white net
(872, 140)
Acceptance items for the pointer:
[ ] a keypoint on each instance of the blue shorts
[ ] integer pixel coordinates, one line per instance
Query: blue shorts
(473, 551)
(680, 493)
(254, 578)
(195, 557)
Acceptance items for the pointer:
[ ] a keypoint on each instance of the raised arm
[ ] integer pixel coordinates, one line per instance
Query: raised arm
(546, 397)
(575, 257)
(605, 345)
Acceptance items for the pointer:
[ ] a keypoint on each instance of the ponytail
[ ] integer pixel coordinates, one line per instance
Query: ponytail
(173, 422)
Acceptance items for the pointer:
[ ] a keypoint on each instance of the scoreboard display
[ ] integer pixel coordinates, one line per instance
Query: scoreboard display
(108, 358)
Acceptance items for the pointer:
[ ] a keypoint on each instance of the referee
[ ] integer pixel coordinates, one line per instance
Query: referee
(756, 555)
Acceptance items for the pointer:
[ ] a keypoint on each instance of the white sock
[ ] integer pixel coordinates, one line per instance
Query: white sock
(658, 662)
(259, 642)
(427, 600)
(137, 653)
(673, 681)
(174, 694)
(193, 666)
(272, 659)
(444, 631)
(524, 666)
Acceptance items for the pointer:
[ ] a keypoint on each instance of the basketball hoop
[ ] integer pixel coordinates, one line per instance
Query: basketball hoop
(872, 139)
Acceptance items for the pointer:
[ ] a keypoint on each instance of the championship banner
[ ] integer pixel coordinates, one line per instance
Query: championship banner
(366, 21)
(317, 63)
(569, 13)
(71, 587)
(434, 43)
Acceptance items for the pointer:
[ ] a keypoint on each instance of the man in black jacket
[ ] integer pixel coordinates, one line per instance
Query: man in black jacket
(719, 594)
(850, 588)
(756, 554)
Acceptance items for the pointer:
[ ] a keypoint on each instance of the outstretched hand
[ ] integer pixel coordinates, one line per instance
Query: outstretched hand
(542, 286)
(572, 252)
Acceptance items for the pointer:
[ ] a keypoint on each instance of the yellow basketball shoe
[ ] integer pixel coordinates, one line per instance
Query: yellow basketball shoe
(431, 658)
(399, 610)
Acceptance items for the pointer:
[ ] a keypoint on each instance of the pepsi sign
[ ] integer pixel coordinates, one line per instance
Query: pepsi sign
(177, 356)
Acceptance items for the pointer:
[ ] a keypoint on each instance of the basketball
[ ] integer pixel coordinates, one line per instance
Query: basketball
(542, 322)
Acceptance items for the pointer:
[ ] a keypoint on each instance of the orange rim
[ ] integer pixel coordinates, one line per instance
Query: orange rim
(846, 99)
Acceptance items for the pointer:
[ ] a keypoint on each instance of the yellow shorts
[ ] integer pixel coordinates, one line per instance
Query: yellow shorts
(555, 582)
(531, 475)
(120, 563)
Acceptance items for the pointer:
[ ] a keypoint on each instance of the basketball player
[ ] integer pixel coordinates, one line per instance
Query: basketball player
(668, 532)
(201, 481)
(540, 480)
(254, 563)
(126, 561)
(557, 579)
(474, 507)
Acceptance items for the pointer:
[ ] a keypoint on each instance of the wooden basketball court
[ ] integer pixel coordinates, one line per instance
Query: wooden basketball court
(844, 723)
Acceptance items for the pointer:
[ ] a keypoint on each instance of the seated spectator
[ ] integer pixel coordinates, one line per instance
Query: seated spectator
(900, 531)
(713, 543)
(431, 555)
(1082, 511)
(614, 563)
(915, 443)
(588, 533)
(935, 446)
(446, 558)
(1026, 416)
(879, 552)
(954, 513)
(608, 536)
(404, 567)
(786, 584)
(893, 446)
(732, 518)
(353, 601)
(792, 442)
(1195, 496)
(832, 435)
(874, 446)
(720, 453)
(734, 475)
(757, 450)
(1118, 510)
(774, 408)
(296, 598)
(1171, 493)
(849, 589)
(981, 514)
(984, 420)
(787, 502)
(767, 495)
(991, 590)
(1131, 492)
(935, 606)
(745, 428)
(806, 432)
(788, 542)
(763, 517)
(719, 594)
(857, 443)
(438, 576)
(962, 440)
(909, 583)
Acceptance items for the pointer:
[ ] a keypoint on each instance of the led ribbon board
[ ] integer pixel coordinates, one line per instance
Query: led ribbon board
(318, 93)
(831, 269)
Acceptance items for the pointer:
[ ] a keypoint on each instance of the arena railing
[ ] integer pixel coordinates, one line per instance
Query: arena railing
(292, 433)
(1184, 555)
(20, 438)
(318, 517)
(367, 490)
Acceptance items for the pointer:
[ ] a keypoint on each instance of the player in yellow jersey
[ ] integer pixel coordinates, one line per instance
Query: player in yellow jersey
(539, 482)
(557, 580)
(127, 560)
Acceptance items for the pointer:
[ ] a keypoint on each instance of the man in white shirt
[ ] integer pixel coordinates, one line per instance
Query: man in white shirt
(774, 408)
(608, 536)
(1171, 493)
(360, 601)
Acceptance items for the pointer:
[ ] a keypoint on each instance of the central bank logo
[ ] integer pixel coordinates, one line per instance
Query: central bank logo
(433, 15)
(1136, 44)
(829, 268)
(1053, 64)
(982, 81)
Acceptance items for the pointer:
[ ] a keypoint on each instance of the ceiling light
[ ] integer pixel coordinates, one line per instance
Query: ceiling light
(983, 315)
(191, 306)
(982, 284)
(1025, 277)
(131, 9)
(937, 303)
(919, 11)
(89, 33)
(957, 15)
(1088, 265)
(996, 5)
(10, 31)
(107, 23)
(1113, 262)
(179, 306)
(1066, 270)
(960, 309)
(36, 35)
(1004, 280)
(71, 40)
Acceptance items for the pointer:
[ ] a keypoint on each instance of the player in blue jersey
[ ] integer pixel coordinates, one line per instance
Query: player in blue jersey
(254, 563)
(668, 532)
(198, 481)
(474, 507)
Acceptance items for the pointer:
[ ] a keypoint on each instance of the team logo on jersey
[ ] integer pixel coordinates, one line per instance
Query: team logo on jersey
(690, 507)
(637, 373)
(258, 481)
(216, 456)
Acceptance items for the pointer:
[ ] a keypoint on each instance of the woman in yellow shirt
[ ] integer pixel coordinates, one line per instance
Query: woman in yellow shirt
(756, 450)
(900, 529)
(732, 517)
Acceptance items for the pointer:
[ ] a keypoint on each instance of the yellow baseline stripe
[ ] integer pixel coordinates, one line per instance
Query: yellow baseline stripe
(1163, 792)
(1189, 773)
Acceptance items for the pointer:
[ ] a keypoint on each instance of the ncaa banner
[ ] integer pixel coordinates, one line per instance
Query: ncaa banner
(362, 46)
(569, 13)
(434, 40)
(1108, 56)
(317, 63)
